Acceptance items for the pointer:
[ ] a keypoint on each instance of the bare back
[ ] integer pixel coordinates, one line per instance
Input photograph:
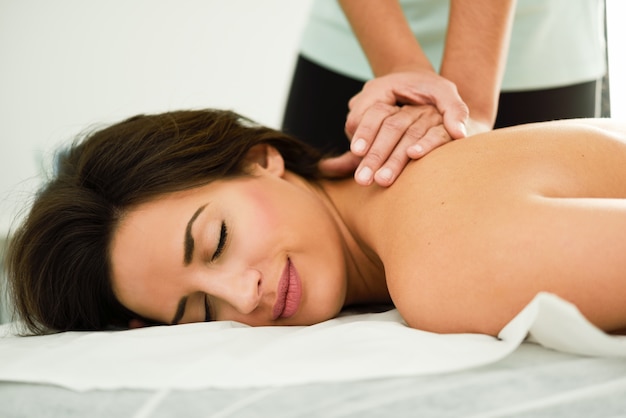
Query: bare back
(469, 234)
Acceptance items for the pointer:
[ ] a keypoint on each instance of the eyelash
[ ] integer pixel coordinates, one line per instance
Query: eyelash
(218, 251)
(222, 242)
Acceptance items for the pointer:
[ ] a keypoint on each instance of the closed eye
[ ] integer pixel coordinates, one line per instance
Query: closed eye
(221, 243)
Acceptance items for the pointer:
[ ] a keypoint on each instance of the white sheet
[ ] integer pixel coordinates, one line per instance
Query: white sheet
(232, 355)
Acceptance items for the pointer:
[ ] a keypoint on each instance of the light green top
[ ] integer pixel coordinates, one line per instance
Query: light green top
(553, 42)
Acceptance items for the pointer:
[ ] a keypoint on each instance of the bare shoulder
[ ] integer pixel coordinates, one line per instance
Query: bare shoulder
(607, 124)
(577, 128)
(448, 226)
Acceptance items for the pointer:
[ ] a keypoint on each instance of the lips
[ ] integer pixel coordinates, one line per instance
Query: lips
(288, 294)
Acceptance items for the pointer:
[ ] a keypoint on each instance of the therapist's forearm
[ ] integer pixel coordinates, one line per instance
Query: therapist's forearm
(475, 52)
(385, 36)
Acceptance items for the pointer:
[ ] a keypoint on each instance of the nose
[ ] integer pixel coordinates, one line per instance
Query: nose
(241, 288)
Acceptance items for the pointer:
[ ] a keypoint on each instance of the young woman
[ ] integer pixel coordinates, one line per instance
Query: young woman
(202, 215)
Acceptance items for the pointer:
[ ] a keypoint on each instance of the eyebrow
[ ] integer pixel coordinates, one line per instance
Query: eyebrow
(188, 241)
(180, 310)
(189, 245)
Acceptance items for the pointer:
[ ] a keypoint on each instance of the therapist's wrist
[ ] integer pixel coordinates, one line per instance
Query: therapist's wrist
(410, 67)
(476, 126)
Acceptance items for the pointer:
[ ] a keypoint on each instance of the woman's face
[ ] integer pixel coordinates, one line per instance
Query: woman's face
(261, 250)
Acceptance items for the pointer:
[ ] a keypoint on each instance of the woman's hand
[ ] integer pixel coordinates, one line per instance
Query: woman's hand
(395, 118)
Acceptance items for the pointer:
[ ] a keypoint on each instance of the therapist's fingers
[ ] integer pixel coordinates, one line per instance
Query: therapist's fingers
(374, 92)
(376, 118)
(386, 157)
(403, 154)
(340, 166)
(445, 97)
(393, 166)
(413, 87)
(455, 120)
(433, 138)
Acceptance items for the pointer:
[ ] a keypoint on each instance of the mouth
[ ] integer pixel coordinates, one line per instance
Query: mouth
(288, 294)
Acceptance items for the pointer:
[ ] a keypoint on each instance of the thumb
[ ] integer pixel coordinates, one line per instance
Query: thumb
(455, 114)
(341, 166)
(454, 120)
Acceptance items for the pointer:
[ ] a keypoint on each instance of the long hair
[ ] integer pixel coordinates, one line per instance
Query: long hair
(58, 260)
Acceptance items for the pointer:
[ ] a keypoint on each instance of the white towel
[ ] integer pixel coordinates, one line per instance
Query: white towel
(232, 355)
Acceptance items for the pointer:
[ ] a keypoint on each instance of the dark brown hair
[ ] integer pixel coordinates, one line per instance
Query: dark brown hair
(58, 260)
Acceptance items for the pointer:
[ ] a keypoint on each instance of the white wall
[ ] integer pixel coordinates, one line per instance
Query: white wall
(68, 64)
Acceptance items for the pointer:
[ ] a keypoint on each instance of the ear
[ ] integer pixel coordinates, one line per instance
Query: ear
(266, 157)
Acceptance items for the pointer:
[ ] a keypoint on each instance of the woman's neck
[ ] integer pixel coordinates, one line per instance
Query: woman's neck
(347, 203)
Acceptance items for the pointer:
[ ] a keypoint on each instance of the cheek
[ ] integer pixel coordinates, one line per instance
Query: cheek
(264, 213)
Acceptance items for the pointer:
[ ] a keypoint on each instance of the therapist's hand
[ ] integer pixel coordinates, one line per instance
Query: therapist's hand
(419, 128)
(395, 118)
